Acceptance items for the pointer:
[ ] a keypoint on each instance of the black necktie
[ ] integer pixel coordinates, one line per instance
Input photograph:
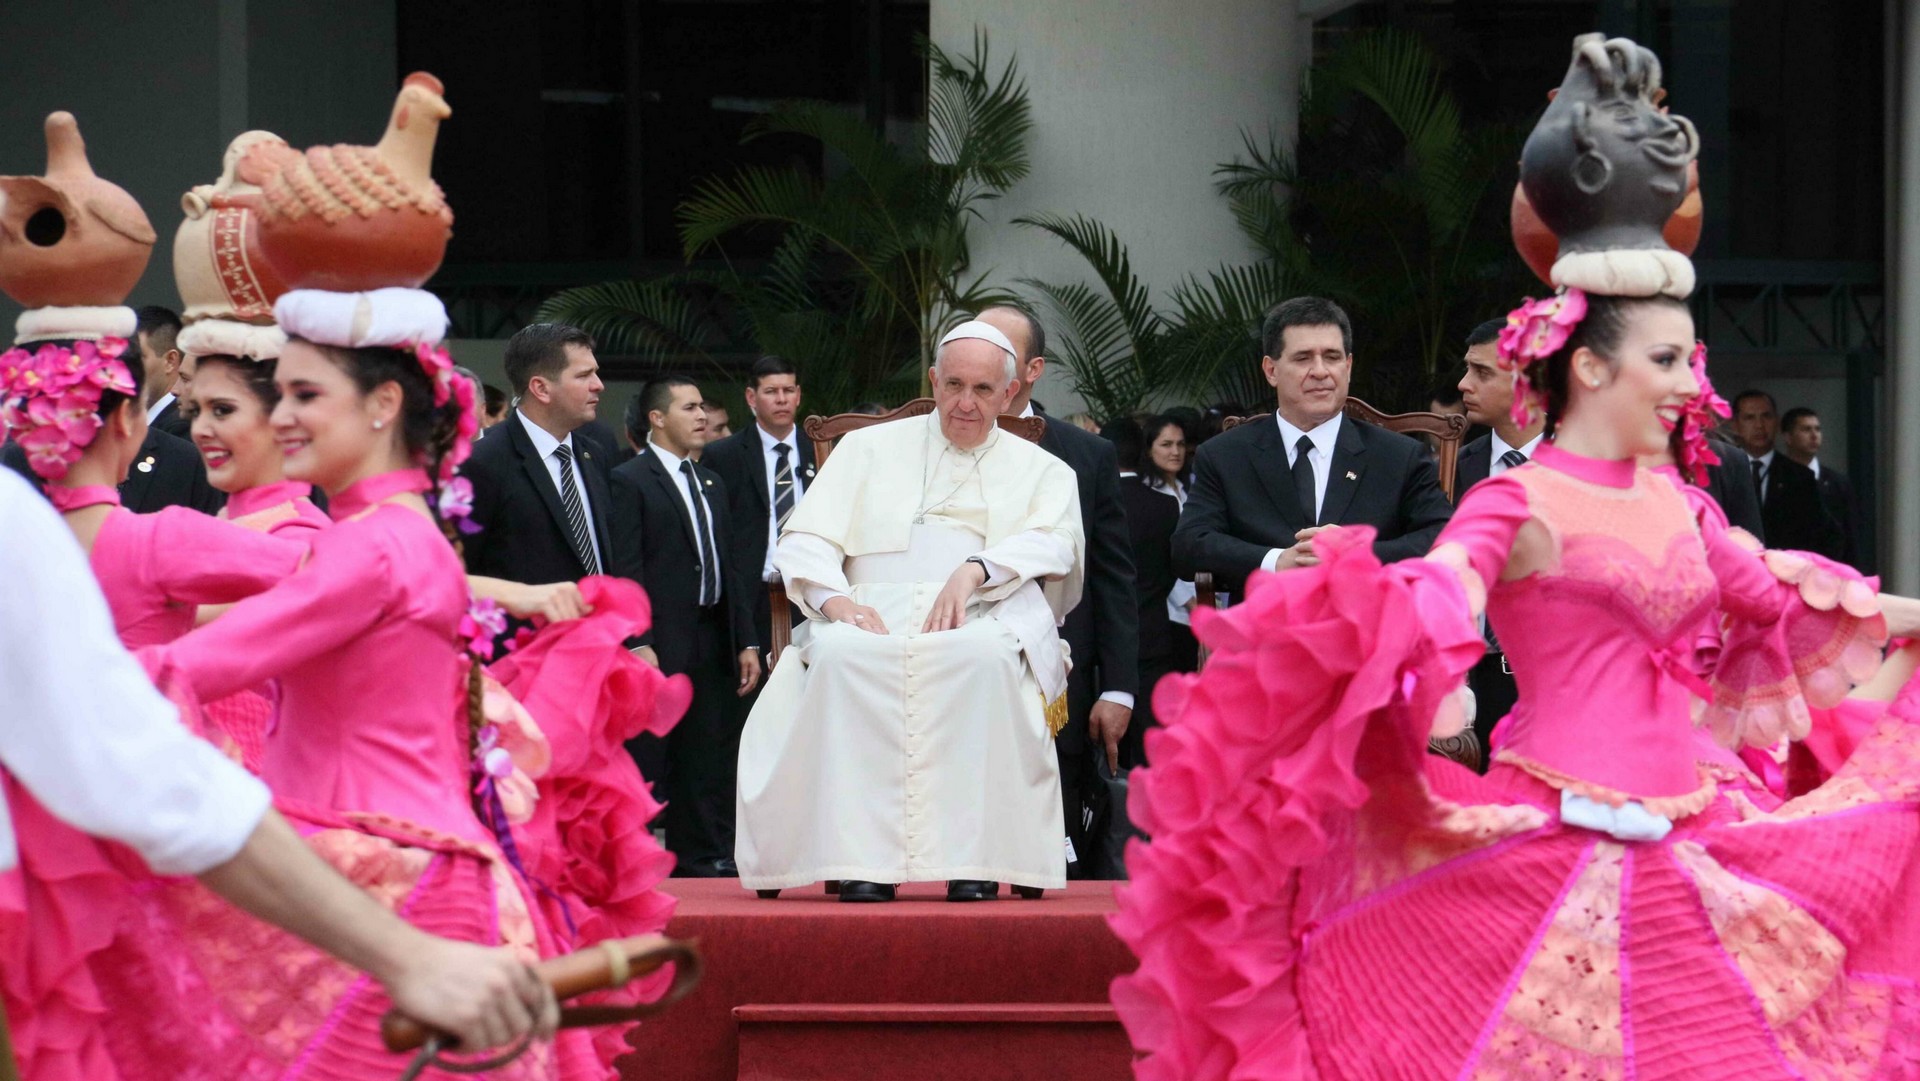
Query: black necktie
(709, 571)
(1303, 480)
(782, 485)
(1511, 459)
(1760, 479)
(576, 513)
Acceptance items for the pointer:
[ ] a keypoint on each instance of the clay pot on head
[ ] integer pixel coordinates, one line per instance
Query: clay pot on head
(1605, 168)
(1540, 248)
(218, 262)
(70, 239)
(351, 218)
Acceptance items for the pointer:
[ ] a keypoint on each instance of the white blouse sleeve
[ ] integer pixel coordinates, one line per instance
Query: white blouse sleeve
(83, 729)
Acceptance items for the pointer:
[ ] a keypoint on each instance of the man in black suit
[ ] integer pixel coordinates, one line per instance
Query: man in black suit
(1487, 391)
(767, 467)
(1151, 517)
(1803, 439)
(539, 493)
(1262, 491)
(1103, 630)
(672, 531)
(1790, 503)
(157, 333)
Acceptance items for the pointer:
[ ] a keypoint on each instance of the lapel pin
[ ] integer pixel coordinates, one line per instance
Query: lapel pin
(1351, 475)
(147, 465)
(709, 484)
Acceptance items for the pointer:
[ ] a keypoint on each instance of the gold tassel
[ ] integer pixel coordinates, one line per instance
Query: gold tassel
(1056, 714)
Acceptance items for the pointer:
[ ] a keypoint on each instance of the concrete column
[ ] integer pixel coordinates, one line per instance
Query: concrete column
(1900, 563)
(1134, 103)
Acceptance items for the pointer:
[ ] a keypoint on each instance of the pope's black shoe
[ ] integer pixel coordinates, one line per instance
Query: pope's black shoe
(968, 889)
(859, 892)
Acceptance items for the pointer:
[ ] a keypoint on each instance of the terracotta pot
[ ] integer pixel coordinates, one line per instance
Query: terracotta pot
(69, 238)
(219, 265)
(348, 218)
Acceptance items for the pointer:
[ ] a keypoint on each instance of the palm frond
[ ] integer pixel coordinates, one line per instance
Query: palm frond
(656, 319)
(977, 124)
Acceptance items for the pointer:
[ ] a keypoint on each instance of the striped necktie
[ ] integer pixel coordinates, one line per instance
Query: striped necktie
(782, 486)
(1512, 458)
(576, 512)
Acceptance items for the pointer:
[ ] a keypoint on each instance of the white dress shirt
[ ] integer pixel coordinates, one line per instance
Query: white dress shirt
(83, 729)
(1500, 449)
(767, 443)
(1118, 697)
(671, 462)
(1814, 464)
(154, 410)
(544, 445)
(1325, 437)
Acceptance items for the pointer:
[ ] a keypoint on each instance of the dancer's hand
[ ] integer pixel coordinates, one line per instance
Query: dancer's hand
(553, 602)
(484, 996)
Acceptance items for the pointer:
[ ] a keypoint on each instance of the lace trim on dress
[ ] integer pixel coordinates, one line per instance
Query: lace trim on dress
(1829, 638)
(1680, 806)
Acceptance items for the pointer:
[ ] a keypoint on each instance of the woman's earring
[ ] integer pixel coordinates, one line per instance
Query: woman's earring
(379, 424)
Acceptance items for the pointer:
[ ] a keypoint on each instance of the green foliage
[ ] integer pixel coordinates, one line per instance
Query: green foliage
(873, 260)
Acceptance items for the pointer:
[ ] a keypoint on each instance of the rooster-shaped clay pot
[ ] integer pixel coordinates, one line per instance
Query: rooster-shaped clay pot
(70, 239)
(350, 218)
(218, 262)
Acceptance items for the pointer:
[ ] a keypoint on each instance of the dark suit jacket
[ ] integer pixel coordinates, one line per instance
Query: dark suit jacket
(524, 535)
(741, 464)
(171, 421)
(1731, 485)
(1151, 518)
(655, 544)
(167, 472)
(1474, 465)
(1241, 503)
(1836, 493)
(1792, 509)
(1103, 630)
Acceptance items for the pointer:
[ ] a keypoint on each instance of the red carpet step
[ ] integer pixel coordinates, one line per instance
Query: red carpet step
(804, 988)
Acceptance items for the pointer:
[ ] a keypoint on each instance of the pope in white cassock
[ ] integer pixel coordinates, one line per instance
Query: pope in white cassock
(908, 738)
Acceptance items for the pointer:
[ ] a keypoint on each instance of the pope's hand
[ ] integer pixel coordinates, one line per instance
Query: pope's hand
(749, 671)
(950, 607)
(843, 610)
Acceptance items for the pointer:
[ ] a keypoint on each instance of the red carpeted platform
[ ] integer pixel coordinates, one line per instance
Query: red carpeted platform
(805, 988)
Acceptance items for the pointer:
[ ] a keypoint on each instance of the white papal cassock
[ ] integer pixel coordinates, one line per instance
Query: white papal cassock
(917, 757)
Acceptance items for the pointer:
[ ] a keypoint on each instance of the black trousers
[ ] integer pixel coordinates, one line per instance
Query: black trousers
(703, 752)
(1494, 695)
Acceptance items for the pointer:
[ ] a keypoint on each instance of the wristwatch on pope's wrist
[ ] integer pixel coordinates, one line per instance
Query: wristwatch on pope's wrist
(985, 574)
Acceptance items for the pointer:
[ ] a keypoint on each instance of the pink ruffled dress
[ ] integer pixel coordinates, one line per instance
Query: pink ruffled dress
(370, 761)
(585, 842)
(239, 722)
(1320, 899)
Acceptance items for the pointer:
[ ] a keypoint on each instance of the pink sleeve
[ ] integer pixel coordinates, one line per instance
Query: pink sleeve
(1801, 631)
(194, 558)
(339, 594)
(1483, 529)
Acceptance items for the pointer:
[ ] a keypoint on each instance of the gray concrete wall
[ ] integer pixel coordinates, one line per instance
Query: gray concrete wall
(160, 88)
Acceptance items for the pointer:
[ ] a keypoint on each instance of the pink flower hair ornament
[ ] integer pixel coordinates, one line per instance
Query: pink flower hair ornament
(1704, 413)
(455, 500)
(50, 398)
(1536, 330)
